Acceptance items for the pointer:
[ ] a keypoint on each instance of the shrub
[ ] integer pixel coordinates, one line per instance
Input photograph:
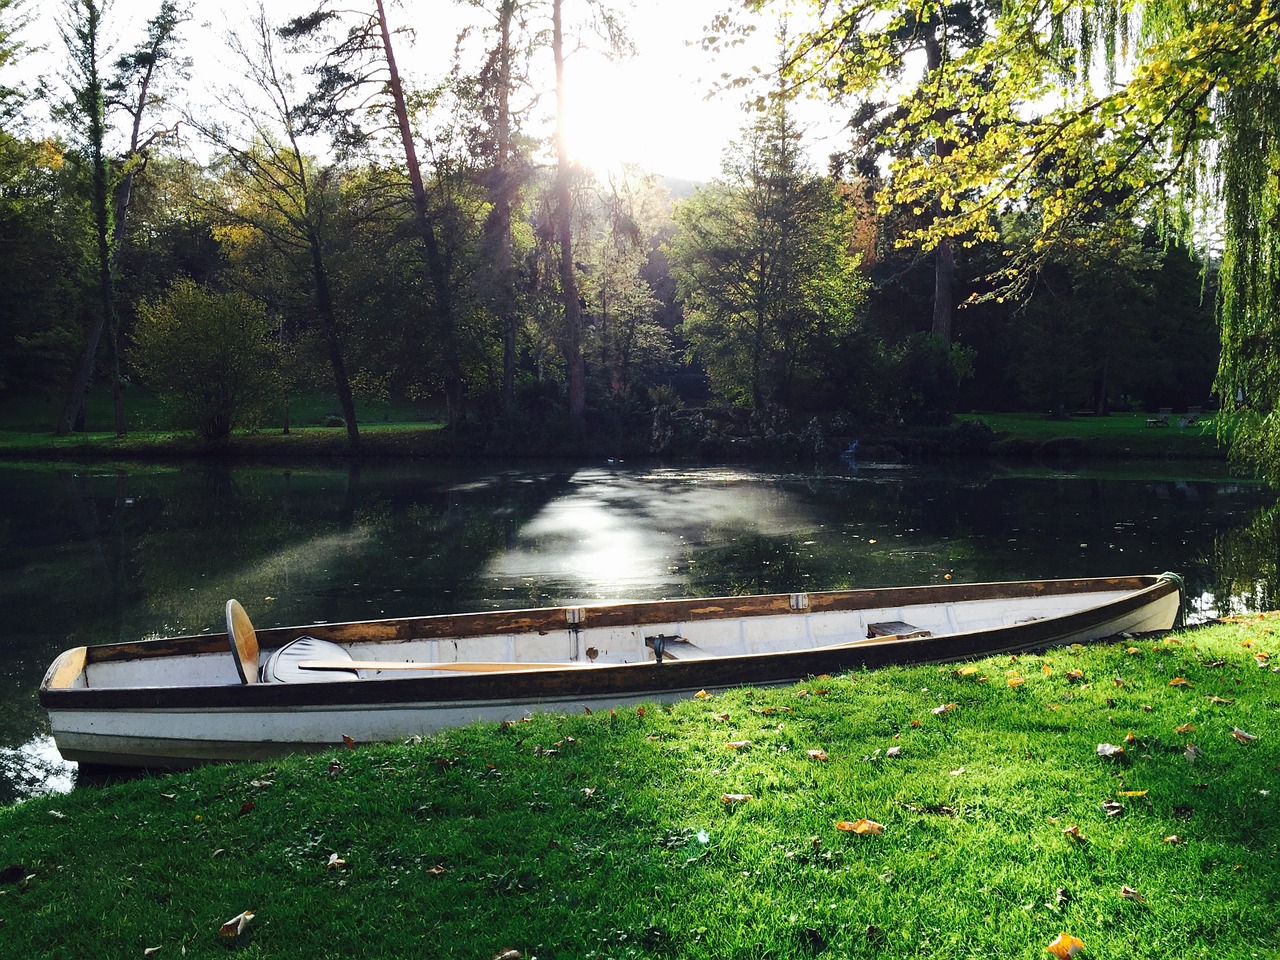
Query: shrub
(209, 356)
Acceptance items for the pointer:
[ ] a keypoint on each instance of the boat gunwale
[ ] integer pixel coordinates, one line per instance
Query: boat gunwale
(634, 678)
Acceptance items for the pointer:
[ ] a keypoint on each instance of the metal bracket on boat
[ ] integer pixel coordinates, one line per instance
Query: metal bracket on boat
(799, 601)
(660, 642)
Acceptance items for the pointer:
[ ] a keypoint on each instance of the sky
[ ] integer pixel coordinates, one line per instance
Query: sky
(651, 109)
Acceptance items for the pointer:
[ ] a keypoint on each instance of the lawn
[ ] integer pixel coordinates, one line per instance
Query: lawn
(1124, 794)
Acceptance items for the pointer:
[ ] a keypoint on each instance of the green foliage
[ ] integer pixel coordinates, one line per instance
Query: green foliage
(209, 355)
(763, 265)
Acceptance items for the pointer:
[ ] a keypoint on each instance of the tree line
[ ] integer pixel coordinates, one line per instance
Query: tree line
(346, 231)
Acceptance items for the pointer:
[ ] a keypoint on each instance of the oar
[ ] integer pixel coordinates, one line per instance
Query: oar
(474, 667)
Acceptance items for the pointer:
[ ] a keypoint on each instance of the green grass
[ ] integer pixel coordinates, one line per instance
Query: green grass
(1114, 435)
(607, 836)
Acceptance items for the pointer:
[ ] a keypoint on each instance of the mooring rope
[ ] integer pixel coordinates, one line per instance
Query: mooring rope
(1182, 595)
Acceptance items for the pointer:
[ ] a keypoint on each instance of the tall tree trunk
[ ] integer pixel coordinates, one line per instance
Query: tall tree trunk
(502, 212)
(944, 269)
(329, 318)
(437, 271)
(571, 338)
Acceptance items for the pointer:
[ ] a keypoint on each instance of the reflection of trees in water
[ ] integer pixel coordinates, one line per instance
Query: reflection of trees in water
(32, 769)
(1247, 564)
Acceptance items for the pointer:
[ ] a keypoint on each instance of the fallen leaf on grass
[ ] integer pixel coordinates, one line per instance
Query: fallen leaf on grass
(860, 826)
(1179, 682)
(1133, 651)
(736, 797)
(335, 862)
(348, 742)
(703, 695)
(1219, 701)
(1110, 750)
(1073, 833)
(1075, 676)
(1185, 728)
(1046, 670)
(720, 717)
(1113, 809)
(1015, 681)
(510, 954)
(1192, 752)
(1065, 946)
(1131, 793)
(1242, 736)
(588, 791)
(236, 925)
(738, 744)
(893, 752)
(436, 871)
(247, 807)
(944, 709)
(964, 672)
(150, 951)
(1131, 894)
(1173, 838)
(818, 754)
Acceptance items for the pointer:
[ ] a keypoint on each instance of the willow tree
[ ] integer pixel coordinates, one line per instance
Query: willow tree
(1165, 110)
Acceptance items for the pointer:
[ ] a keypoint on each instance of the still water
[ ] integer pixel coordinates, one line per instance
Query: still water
(93, 554)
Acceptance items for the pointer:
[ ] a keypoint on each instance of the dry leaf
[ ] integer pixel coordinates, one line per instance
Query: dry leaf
(261, 783)
(1075, 675)
(1113, 809)
(945, 708)
(1131, 793)
(1015, 681)
(736, 797)
(1179, 682)
(703, 695)
(738, 744)
(1117, 681)
(1133, 651)
(1131, 894)
(1065, 946)
(236, 925)
(957, 772)
(1110, 750)
(1219, 701)
(1129, 738)
(335, 862)
(1174, 838)
(1192, 752)
(588, 791)
(1242, 736)
(893, 752)
(1046, 670)
(509, 954)
(860, 826)
(247, 807)
(335, 768)
(817, 755)
(150, 952)
(437, 870)
(1185, 728)
(720, 717)
(349, 743)
(1073, 833)
(964, 671)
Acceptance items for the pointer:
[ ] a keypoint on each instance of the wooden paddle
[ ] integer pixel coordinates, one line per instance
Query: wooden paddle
(473, 667)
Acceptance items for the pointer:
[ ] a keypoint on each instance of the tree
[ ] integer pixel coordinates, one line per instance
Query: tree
(882, 59)
(110, 190)
(764, 265)
(209, 355)
(287, 196)
(365, 57)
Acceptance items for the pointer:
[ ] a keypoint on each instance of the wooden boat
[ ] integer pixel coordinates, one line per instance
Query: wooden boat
(246, 694)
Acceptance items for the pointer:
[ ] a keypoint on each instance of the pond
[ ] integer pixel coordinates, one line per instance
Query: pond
(95, 554)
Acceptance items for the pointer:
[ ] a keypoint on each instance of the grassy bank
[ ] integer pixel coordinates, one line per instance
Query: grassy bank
(1117, 435)
(627, 835)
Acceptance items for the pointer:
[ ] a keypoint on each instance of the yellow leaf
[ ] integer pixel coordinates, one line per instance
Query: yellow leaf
(1185, 728)
(1065, 946)
(703, 695)
(736, 797)
(1016, 681)
(1046, 670)
(1075, 675)
(1131, 793)
(966, 671)
(236, 925)
(1179, 682)
(1133, 651)
(1219, 701)
(738, 744)
(860, 826)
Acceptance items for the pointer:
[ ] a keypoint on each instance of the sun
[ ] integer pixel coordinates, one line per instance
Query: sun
(607, 117)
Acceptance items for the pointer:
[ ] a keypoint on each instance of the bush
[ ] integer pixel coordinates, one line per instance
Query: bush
(209, 356)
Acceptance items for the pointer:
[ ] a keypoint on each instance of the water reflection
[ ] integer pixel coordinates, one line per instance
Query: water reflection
(90, 555)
